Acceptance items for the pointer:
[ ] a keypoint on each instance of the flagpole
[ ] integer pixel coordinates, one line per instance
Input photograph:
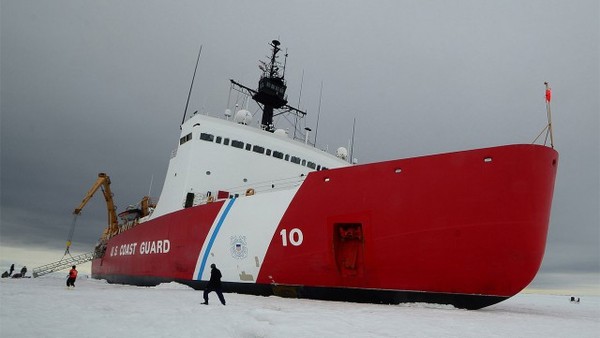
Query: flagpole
(549, 113)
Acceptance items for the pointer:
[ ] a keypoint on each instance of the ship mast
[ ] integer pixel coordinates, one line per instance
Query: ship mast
(271, 88)
(270, 94)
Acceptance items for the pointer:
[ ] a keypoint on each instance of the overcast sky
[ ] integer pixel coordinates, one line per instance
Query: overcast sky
(100, 86)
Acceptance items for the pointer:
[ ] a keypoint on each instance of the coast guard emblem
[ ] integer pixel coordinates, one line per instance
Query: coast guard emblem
(239, 248)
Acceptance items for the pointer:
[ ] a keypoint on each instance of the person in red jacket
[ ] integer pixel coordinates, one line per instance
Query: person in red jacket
(72, 277)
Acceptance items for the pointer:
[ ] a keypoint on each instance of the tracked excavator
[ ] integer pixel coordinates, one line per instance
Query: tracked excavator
(113, 228)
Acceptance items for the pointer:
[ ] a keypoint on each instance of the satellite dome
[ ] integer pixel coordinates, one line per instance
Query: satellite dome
(342, 153)
(243, 117)
(280, 132)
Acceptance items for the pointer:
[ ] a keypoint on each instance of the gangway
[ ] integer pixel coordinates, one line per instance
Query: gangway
(63, 264)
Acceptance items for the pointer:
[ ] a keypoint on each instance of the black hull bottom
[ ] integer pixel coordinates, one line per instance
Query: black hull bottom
(462, 301)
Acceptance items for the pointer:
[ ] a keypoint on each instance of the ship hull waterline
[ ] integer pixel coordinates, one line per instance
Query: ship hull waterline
(466, 228)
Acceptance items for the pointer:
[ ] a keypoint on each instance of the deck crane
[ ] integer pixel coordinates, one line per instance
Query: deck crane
(102, 183)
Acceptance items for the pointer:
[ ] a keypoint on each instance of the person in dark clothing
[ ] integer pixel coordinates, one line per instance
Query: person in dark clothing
(12, 268)
(214, 284)
(72, 277)
(23, 271)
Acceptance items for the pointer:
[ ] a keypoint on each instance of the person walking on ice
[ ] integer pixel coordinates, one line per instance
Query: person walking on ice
(214, 284)
(72, 277)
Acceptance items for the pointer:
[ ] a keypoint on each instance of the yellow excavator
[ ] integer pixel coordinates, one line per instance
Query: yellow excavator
(113, 228)
(130, 216)
(103, 183)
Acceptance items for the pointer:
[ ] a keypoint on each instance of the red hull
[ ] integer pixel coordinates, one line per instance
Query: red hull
(466, 223)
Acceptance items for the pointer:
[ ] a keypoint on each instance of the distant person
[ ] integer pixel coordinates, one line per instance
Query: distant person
(214, 284)
(72, 277)
(12, 268)
(23, 271)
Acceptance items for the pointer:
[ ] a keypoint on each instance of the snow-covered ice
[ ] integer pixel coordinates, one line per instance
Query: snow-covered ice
(44, 307)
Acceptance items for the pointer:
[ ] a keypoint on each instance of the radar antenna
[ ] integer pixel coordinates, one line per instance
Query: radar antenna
(270, 94)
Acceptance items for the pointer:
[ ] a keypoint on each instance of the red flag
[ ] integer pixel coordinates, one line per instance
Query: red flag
(548, 94)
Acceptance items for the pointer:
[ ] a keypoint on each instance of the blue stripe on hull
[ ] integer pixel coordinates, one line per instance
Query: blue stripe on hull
(213, 237)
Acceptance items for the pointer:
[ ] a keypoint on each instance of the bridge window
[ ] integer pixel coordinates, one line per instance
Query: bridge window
(255, 148)
(258, 149)
(185, 138)
(207, 137)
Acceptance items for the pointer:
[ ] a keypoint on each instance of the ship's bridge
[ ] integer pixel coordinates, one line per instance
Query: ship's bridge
(219, 158)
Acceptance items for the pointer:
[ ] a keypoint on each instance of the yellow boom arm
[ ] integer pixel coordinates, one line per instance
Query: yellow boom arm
(103, 182)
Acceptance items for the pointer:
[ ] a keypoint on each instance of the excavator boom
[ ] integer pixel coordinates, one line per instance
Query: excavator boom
(102, 182)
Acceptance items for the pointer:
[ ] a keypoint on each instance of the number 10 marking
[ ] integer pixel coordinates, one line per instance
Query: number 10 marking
(295, 237)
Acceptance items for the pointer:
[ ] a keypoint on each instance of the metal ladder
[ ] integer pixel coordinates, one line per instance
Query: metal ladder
(63, 264)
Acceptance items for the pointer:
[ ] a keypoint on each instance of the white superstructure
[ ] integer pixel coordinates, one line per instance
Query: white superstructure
(219, 158)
